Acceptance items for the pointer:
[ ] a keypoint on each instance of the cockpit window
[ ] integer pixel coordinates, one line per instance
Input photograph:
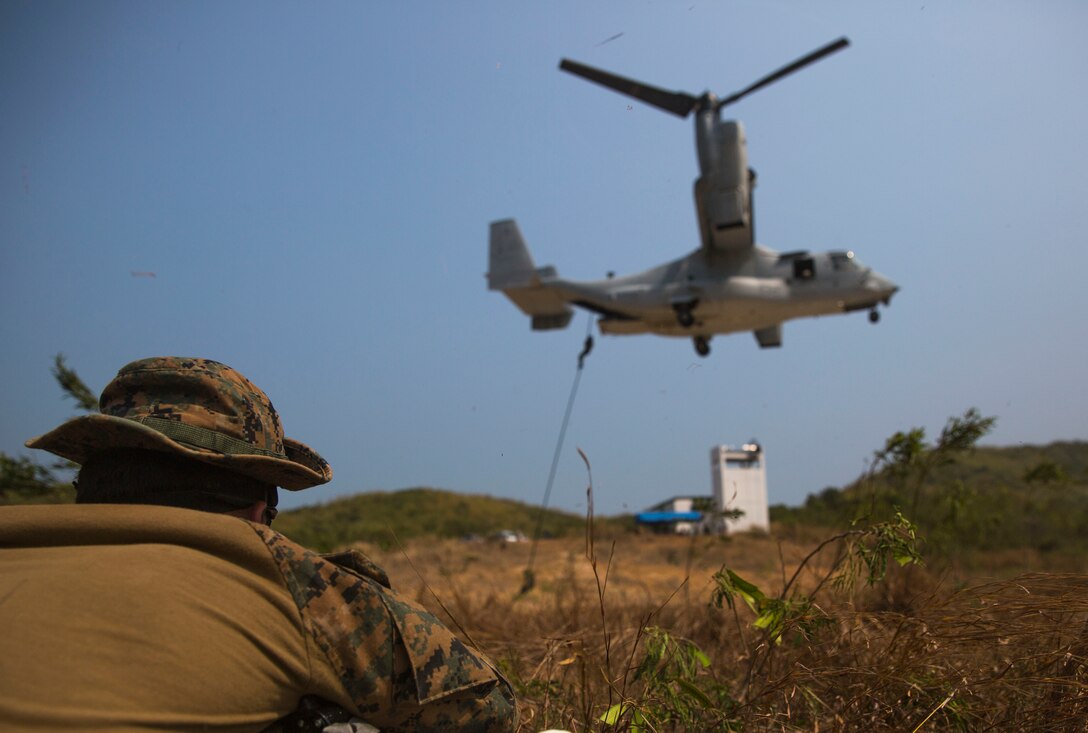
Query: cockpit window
(845, 261)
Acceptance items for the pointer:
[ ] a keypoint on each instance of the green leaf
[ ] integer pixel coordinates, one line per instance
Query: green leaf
(689, 688)
(700, 657)
(751, 594)
(773, 620)
(768, 619)
(613, 714)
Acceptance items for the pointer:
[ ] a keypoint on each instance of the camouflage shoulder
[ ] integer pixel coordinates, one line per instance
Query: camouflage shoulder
(456, 688)
(345, 615)
(441, 663)
(395, 659)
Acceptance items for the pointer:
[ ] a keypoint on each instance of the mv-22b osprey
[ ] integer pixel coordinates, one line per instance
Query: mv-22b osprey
(729, 283)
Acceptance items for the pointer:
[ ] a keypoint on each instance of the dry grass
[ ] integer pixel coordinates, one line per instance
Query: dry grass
(911, 653)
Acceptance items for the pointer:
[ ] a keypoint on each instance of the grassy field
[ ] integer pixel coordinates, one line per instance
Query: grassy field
(623, 634)
(845, 617)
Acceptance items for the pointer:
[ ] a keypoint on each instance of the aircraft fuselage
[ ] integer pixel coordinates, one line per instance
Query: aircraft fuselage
(728, 293)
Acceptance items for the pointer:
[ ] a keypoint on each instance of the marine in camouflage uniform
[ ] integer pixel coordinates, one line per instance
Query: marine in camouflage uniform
(123, 617)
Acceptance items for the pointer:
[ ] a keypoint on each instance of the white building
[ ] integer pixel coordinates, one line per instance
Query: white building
(739, 478)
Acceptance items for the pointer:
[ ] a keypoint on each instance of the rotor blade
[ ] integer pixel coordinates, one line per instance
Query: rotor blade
(678, 103)
(786, 70)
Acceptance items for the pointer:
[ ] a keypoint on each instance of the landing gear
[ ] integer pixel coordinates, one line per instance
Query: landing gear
(702, 345)
(874, 316)
(684, 315)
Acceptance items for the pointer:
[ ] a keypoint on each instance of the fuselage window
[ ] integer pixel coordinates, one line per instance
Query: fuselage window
(804, 268)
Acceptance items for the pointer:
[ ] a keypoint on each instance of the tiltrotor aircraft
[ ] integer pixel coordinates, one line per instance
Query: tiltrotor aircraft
(729, 283)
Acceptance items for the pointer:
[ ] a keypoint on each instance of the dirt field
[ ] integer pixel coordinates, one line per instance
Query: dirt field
(641, 570)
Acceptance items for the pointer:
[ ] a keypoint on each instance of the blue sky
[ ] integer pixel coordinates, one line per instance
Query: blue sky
(311, 186)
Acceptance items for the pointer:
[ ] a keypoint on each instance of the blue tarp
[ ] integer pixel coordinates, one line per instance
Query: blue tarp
(667, 517)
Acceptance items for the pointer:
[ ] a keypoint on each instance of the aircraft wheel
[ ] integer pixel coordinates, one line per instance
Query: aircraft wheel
(683, 315)
(874, 316)
(702, 345)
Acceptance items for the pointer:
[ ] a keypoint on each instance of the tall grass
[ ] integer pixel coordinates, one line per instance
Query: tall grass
(1007, 655)
(614, 637)
(805, 631)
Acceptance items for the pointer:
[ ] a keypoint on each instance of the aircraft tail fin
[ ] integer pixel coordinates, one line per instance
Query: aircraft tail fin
(511, 270)
(510, 263)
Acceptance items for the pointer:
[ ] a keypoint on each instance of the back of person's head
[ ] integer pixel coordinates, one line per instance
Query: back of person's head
(183, 432)
(135, 476)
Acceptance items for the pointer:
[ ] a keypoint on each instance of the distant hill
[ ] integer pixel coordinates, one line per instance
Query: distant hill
(988, 499)
(383, 517)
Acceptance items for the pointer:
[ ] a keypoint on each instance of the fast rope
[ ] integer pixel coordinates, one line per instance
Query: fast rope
(528, 578)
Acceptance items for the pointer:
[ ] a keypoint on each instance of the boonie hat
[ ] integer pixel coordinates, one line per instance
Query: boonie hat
(196, 408)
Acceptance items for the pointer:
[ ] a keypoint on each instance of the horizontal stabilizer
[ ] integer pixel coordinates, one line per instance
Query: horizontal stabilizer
(769, 337)
(550, 322)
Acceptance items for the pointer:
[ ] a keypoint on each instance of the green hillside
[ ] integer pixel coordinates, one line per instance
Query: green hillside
(962, 498)
(985, 499)
(382, 517)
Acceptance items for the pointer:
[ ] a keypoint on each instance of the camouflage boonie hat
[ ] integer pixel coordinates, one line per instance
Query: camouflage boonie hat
(196, 408)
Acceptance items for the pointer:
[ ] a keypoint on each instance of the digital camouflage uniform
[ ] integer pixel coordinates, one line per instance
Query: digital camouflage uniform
(137, 617)
(438, 684)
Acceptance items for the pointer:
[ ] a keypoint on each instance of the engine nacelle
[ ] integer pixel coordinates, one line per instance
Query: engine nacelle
(723, 191)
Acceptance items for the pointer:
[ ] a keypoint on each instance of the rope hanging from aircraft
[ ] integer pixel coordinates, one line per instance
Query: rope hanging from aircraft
(529, 578)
